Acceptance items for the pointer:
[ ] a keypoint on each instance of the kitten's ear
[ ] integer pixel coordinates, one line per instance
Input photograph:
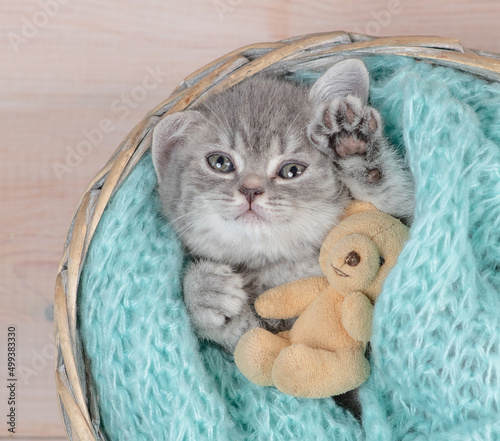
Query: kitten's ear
(347, 77)
(169, 133)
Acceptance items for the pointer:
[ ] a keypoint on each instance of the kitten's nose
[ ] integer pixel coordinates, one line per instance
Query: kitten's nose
(251, 187)
(251, 193)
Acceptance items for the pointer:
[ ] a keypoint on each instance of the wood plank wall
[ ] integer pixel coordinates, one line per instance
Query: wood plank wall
(68, 65)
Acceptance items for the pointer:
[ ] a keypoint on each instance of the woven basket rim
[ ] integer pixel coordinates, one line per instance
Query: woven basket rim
(77, 397)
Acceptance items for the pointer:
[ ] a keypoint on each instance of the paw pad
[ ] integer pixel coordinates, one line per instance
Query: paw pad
(350, 146)
(373, 175)
(347, 126)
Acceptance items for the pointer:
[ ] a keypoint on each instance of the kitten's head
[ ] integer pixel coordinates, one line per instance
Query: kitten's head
(239, 179)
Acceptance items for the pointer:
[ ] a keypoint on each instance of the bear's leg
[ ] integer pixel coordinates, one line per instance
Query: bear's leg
(302, 371)
(255, 354)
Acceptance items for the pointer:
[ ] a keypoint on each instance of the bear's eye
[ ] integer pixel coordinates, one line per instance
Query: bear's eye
(291, 170)
(381, 260)
(353, 259)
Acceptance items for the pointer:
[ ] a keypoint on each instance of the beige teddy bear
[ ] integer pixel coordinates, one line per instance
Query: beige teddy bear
(323, 353)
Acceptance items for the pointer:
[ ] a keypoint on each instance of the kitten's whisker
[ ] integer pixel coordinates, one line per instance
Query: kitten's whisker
(185, 229)
(219, 198)
(293, 122)
(215, 126)
(176, 218)
(301, 129)
(341, 189)
(172, 221)
(226, 130)
(223, 113)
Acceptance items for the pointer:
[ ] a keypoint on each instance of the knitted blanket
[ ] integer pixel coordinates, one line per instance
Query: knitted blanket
(436, 339)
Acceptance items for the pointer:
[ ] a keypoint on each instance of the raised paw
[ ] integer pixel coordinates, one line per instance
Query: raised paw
(346, 129)
(346, 126)
(217, 302)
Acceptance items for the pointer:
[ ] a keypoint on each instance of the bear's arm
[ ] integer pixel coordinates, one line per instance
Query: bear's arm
(289, 300)
(357, 316)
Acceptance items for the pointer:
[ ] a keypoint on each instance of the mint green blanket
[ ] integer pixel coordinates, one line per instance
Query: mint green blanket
(436, 343)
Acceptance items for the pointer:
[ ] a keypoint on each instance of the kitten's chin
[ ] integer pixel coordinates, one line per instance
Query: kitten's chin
(250, 217)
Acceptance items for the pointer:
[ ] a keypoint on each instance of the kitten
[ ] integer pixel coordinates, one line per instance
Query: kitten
(253, 179)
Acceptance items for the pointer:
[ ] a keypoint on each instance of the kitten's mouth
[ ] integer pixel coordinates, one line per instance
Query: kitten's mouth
(251, 215)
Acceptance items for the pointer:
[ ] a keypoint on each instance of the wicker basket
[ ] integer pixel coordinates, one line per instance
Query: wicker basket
(76, 390)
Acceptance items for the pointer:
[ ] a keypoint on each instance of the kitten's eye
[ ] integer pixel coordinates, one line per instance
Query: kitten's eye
(290, 171)
(220, 163)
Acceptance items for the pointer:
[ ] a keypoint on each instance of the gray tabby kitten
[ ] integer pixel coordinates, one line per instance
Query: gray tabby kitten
(254, 178)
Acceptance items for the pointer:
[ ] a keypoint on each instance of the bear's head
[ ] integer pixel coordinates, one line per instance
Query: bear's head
(360, 251)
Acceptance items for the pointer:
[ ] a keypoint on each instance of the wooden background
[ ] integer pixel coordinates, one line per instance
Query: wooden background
(76, 76)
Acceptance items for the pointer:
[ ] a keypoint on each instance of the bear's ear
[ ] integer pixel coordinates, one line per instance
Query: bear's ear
(357, 207)
(347, 77)
(169, 133)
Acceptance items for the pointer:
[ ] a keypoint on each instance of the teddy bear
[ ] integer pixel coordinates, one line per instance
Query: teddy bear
(323, 354)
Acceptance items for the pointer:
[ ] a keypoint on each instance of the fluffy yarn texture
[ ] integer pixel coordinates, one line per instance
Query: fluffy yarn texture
(436, 339)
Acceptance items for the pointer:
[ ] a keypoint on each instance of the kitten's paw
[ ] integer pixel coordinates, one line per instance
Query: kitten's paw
(346, 127)
(217, 302)
(350, 132)
(213, 294)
